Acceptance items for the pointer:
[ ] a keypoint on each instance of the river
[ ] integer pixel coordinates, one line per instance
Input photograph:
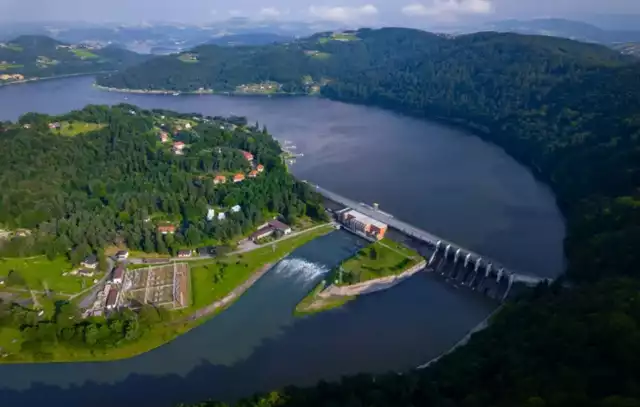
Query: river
(441, 179)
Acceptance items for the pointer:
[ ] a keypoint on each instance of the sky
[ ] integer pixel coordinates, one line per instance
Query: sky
(351, 12)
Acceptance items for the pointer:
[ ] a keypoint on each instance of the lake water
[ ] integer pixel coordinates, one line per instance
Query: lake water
(440, 179)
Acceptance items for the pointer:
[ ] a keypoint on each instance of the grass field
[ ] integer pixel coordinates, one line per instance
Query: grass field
(14, 47)
(84, 54)
(338, 37)
(312, 305)
(39, 271)
(211, 280)
(71, 129)
(4, 67)
(188, 58)
(201, 284)
(379, 259)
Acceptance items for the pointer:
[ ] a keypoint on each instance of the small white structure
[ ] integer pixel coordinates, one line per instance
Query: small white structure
(235, 209)
(211, 214)
(187, 125)
(222, 216)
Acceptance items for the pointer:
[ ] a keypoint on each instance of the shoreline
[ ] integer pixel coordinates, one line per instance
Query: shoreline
(197, 92)
(48, 78)
(180, 324)
(335, 296)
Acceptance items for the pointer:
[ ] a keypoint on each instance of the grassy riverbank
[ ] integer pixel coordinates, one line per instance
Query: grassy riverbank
(379, 259)
(232, 271)
(199, 92)
(311, 304)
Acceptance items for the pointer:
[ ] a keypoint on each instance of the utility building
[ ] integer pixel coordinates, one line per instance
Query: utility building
(363, 224)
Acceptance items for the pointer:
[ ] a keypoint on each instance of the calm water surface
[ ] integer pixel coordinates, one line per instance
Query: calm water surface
(440, 179)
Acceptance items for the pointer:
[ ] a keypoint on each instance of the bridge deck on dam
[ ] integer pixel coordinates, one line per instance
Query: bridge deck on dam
(423, 235)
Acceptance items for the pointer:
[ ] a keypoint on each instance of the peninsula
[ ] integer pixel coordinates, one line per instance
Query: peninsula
(566, 109)
(138, 225)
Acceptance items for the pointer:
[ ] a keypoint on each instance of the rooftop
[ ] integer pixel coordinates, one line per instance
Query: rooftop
(365, 219)
(276, 224)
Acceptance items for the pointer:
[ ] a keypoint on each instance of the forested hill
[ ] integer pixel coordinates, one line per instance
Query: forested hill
(102, 176)
(38, 56)
(299, 66)
(571, 112)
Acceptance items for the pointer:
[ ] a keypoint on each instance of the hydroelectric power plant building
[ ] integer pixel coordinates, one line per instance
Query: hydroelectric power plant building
(363, 224)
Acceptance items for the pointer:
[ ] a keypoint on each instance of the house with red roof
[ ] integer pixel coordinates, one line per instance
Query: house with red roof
(239, 177)
(247, 155)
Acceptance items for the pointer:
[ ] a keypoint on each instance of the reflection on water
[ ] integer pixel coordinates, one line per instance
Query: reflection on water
(437, 178)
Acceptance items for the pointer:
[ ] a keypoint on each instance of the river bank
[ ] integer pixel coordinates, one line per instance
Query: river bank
(333, 296)
(183, 321)
(196, 92)
(47, 78)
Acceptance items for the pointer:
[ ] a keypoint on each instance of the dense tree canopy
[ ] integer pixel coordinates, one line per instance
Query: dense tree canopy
(40, 56)
(118, 183)
(568, 110)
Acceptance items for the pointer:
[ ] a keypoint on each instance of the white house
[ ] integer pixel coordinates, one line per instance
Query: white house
(211, 214)
(222, 216)
(235, 209)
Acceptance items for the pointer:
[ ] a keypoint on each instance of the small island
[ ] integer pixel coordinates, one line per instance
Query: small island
(380, 265)
(138, 226)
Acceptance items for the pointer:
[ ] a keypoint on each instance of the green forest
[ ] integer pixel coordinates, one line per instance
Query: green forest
(115, 185)
(568, 110)
(71, 194)
(40, 56)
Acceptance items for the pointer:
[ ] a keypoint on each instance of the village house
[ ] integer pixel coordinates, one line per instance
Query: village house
(219, 179)
(211, 213)
(187, 126)
(122, 255)
(238, 177)
(184, 253)
(235, 209)
(277, 225)
(178, 147)
(55, 125)
(90, 262)
(222, 216)
(253, 174)
(112, 298)
(164, 136)
(269, 229)
(262, 233)
(117, 275)
(260, 168)
(247, 155)
(166, 229)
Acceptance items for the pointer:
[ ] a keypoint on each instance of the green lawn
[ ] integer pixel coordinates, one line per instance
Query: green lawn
(14, 47)
(71, 129)
(344, 37)
(84, 54)
(38, 271)
(188, 58)
(201, 285)
(212, 280)
(4, 67)
(379, 259)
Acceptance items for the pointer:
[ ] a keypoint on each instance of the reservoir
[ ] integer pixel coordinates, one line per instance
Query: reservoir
(440, 179)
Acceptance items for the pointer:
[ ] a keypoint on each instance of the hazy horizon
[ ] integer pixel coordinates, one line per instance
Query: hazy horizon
(422, 13)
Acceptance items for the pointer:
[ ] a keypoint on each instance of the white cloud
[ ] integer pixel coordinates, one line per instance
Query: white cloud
(235, 13)
(448, 9)
(270, 12)
(343, 14)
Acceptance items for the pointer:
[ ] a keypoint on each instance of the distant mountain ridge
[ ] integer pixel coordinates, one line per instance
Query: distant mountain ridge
(559, 27)
(37, 56)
